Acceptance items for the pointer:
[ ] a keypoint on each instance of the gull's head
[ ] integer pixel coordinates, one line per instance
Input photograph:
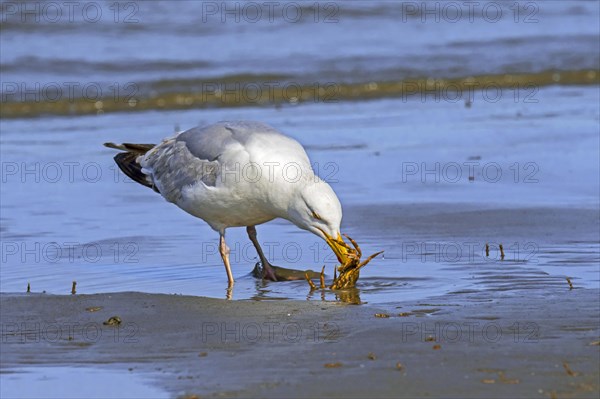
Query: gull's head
(317, 209)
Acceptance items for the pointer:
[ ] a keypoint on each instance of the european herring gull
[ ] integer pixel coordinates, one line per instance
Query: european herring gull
(238, 174)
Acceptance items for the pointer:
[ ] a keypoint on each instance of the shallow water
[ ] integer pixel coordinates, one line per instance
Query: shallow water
(67, 215)
(75, 382)
(427, 174)
(496, 37)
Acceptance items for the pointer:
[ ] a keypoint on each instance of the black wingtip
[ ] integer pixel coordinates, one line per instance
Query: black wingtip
(127, 162)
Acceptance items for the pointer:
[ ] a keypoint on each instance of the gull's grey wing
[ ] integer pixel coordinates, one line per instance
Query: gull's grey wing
(173, 167)
(199, 154)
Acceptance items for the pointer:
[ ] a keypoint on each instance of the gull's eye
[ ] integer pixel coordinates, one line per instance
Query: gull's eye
(316, 215)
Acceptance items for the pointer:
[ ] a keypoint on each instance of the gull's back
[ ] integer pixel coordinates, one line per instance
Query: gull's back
(210, 142)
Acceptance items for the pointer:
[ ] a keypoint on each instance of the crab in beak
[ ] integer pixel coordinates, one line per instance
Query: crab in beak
(349, 267)
(342, 250)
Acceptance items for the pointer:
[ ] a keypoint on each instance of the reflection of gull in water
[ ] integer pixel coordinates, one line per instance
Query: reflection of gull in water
(234, 174)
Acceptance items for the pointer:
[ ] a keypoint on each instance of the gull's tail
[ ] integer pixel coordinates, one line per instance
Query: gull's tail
(128, 161)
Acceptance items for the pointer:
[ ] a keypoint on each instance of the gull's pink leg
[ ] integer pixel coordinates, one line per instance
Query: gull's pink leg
(224, 250)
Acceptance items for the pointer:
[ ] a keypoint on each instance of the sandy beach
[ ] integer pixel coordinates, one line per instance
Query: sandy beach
(466, 345)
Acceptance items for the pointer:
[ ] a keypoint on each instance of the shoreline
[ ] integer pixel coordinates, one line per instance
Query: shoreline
(202, 95)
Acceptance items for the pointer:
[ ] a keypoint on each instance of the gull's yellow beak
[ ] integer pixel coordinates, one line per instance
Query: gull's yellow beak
(339, 247)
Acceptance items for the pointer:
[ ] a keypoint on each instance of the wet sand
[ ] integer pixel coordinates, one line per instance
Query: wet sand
(468, 345)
